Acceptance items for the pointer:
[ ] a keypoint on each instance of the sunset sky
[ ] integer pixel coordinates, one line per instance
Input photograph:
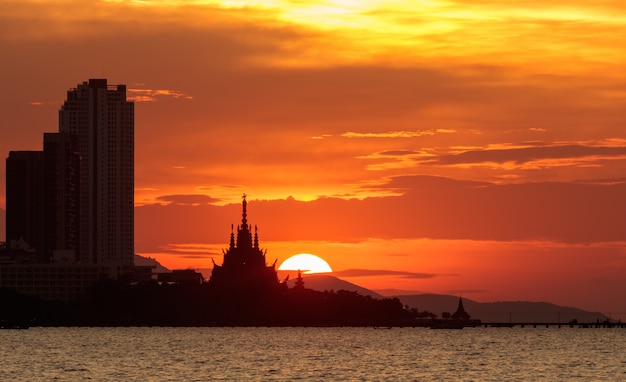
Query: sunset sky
(427, 146)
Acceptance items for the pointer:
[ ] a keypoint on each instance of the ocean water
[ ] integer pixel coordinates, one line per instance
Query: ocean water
(312, 354)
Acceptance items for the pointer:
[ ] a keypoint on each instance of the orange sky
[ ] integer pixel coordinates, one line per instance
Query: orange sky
(431, 146)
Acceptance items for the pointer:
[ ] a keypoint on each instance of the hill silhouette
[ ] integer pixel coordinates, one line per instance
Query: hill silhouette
(502, 311)
(498, 312)
(326, 282)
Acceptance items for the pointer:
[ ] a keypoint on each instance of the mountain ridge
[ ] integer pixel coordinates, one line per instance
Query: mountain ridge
(488, 312)
(502, 311)
(323, 282)
(495, 312)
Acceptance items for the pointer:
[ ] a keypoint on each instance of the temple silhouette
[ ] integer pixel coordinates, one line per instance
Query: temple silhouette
(458, 320)
(461, 314)
(244, 266)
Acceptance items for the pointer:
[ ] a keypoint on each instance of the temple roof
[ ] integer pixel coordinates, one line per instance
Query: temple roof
(244, 262)
(460, 313)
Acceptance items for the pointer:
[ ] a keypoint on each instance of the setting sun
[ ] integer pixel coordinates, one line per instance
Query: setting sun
(306, 263)
(421, 146)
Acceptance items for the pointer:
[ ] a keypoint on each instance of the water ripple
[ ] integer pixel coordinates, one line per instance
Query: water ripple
(352, 354)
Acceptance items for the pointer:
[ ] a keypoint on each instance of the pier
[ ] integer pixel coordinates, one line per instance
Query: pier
(586, 325)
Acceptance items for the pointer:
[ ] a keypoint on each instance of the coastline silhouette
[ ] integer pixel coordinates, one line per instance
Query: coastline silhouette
(243, 291)
(186, 300)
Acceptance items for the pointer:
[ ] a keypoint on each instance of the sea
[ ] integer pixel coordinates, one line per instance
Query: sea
(312, 354)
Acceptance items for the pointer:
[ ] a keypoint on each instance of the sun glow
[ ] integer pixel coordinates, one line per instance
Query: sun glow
(306, 263)
(527, 37)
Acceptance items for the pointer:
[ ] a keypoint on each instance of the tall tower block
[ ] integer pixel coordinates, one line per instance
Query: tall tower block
(103, 122)
(24, 176)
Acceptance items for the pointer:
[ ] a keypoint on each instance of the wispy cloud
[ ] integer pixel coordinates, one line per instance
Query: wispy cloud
(151, 95)
(382, 272)
(192, 200)
(192, 249)
(395, 159)
(397, 134)
(509, 160)
(536, 156)
(44, 103)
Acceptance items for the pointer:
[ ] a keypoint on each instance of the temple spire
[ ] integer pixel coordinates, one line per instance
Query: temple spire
(244, 220)
(244, 266)
(299, 284)
(232, 237)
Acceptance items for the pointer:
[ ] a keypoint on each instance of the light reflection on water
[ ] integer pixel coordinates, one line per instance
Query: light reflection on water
(201, 354)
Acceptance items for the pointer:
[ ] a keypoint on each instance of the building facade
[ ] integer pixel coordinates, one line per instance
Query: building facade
(61, 180)
(102, 120)
(70, 207)
(24, 199)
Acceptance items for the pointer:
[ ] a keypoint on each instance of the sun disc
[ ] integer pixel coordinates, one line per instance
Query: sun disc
(306, 263)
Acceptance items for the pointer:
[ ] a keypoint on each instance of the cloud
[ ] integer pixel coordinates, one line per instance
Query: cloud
(396, 134)
(190, 248)
(508, 161)
(187, 199)
(44, 103)
(427, 207)
(382, 272)
(151, 95)
(395, 153)
(518, 156)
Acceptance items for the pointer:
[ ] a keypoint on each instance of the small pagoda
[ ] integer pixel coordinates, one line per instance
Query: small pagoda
(244, 267)
(461, 314)
(458, 320)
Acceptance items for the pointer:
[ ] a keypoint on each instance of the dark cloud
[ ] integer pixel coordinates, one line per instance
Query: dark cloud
(382, 272)
(195, 257)
(430, 207)
(527, 154)
(394, 153)
(187, 199)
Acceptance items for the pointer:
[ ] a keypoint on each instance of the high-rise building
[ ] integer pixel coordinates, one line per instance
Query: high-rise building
(24, 213)
(103, 121)
(42, 198)
(70, 207)
(61, 180)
